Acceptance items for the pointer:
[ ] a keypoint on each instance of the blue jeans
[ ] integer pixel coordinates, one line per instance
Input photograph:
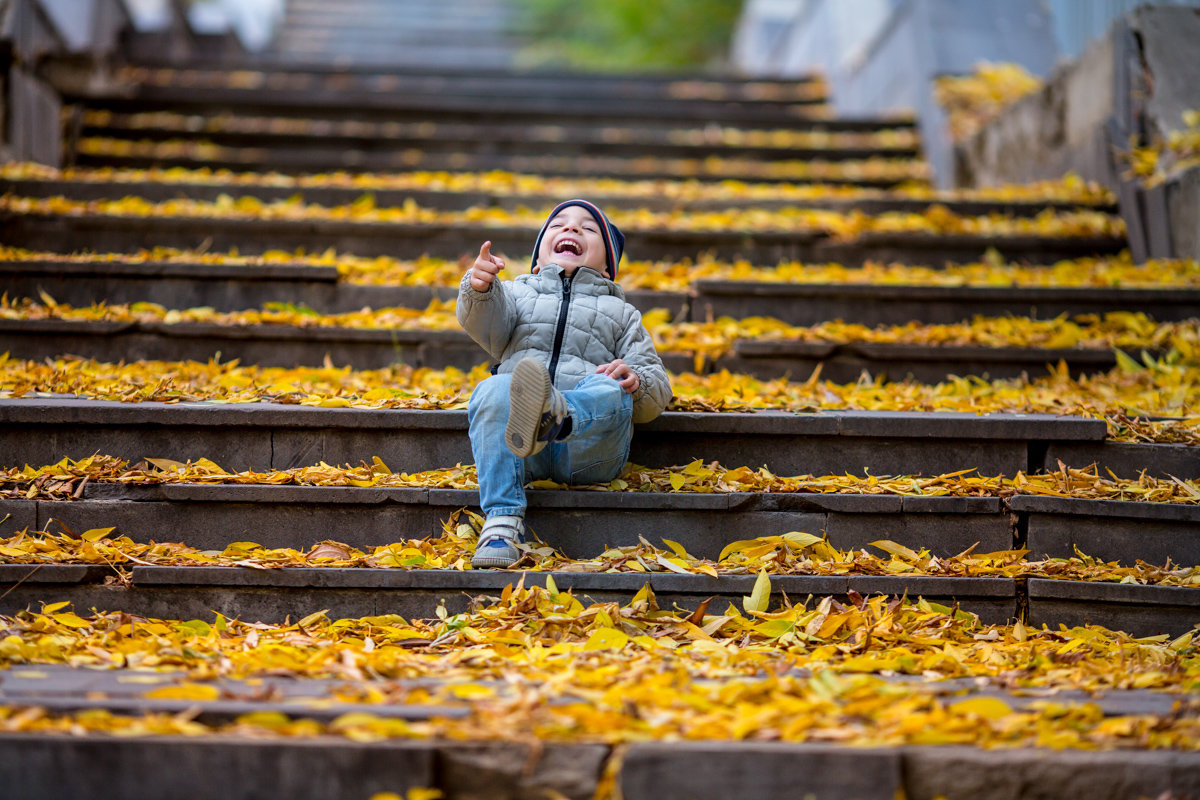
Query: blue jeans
(594, 451)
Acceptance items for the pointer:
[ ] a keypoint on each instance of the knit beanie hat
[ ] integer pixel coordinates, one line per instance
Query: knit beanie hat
(614, 240)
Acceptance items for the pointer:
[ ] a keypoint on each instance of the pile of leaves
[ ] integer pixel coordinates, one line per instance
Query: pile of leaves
(1070, 188)
(66, 478)
(537, 660)
(1130, 398)
(1156, 161)
(972, 101)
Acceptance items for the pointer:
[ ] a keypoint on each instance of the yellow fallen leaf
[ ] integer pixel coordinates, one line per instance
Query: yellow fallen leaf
(606, 639)
(990, 708)
(760, 596)
(184, 691)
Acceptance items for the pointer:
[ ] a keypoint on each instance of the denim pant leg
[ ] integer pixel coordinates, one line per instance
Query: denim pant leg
(501, 474)
(595, 450)
(601, 429)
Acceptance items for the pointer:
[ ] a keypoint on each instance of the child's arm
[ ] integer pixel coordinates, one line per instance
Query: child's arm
(484, 309)
(651, 388)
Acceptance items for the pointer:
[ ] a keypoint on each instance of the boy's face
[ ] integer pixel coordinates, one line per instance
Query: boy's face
(573, 240)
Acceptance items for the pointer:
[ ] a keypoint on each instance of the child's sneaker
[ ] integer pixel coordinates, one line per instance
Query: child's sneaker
(536, 410)
(497, 546)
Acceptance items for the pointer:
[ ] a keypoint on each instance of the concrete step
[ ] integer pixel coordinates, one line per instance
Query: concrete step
(232, 287)
(300, 162)
(880, 304)
(468, 79)
(494, 140)
(274, 595)
(277, 594)
(579, 524)
(446, 106)
(158, 191)
(104, 233)
(582, 524)
(60, 688)
(58, 765)
(260, 436)
(360, 348)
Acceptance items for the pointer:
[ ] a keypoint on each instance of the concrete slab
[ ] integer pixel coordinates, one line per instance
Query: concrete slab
(1113, 530)
(932, 772)
(509, 769)
(758, 771)
(579, 523)
(810, 304)
(17, 515)
(1115, 539)
(274, 595)
(1139, 610)
(942, 534)
(132, 769)
(1125, 459)
(1183, 204)
(261, 436)
(936, 249)
(519, 108)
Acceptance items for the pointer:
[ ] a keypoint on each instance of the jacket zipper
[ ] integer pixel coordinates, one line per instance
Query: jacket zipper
(560, 329)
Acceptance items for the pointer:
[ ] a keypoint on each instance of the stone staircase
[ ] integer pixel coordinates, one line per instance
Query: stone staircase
(433, 115)
(388, 34)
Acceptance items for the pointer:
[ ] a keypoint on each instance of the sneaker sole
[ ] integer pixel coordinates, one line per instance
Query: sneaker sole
(489, 563)
(528, 394)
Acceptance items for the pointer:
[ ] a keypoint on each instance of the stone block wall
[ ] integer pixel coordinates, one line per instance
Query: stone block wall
(1132, 86)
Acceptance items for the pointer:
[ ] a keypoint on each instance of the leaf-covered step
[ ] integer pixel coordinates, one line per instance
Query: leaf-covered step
(468, 80)
(897, 304)
(1140, 402)
(364, 229)
(272, 435)
(447, 107)
(295, 346)
(232, 286)
(872, 173)
(370, 141)
(579, 524)
(273, 595)
(836, 197)
(460, 189)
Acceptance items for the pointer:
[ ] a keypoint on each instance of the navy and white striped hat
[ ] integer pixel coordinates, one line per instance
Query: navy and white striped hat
(614, 240)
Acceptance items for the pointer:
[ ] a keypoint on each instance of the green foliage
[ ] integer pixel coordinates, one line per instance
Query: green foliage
(626, 35)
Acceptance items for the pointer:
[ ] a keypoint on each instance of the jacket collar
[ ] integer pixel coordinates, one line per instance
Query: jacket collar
(584, 276)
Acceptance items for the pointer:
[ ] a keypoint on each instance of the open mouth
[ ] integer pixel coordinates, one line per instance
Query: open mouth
(568, 246)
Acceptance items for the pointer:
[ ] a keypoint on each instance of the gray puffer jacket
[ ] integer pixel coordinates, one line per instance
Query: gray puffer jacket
(590, 322)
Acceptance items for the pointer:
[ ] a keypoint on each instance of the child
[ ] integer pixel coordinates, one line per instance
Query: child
(576, 370)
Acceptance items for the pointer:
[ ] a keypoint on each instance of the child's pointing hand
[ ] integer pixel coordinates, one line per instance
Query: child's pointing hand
(485, 268)
(622, 373)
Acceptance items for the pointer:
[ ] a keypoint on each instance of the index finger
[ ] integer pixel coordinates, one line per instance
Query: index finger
(486, 251)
